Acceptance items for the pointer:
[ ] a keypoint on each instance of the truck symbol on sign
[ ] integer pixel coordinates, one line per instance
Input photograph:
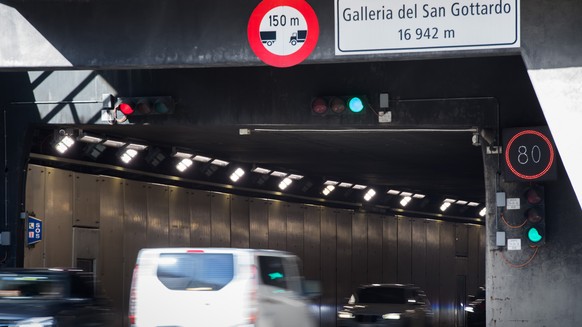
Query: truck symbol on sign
(268, 37)
(300, 36)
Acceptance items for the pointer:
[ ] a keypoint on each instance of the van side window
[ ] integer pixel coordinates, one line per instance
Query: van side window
(195, 271)
(273, 271)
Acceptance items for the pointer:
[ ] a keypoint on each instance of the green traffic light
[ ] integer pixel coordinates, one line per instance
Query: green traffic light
(534, 235)
(355, 104)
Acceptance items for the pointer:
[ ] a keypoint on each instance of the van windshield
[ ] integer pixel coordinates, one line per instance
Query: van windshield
(195, 271)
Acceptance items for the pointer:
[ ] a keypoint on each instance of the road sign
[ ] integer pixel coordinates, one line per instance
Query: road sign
(34, 231)
(282, 33)
(396, 26)
(529, 154)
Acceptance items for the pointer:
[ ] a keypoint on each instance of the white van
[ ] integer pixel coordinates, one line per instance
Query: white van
(217, 287)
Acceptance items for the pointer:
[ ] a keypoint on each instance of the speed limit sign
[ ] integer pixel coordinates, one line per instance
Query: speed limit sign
(529, 154)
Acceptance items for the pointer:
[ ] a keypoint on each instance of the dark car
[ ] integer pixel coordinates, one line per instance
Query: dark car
(386, 305)
(51, 297)
(476, 309)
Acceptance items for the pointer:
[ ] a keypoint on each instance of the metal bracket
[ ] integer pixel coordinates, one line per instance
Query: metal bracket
(494, 149)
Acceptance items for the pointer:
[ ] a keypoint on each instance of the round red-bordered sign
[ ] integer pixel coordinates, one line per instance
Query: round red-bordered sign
(282, 33)
(541, 172)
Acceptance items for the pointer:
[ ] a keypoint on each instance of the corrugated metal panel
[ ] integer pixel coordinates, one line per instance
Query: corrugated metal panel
(86, 200)
(461, 240)
(344, 256)
(359, 249)
(110, 264)
(328, 267)
(35, 205)
(239, 221)
(199, 218)
(390, 250)
(259, 223)
(419, 253)
(295, 231)
(404, 250)
(473, 259)
(482, 253)
(158, 206)
(447, 275)
(433, 265)
(277, 226)
(312, 241)
(58, 221)
(220, 220)
(374, 248)
(179, 233)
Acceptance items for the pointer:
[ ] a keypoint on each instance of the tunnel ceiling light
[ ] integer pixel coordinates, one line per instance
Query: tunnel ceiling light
(127, 155)
(260, 170)
(63, 143)
(218, 162)
(155, 157)
(136, 146)
(209, 169)
(345, 185)
(184, 164)
(114, 143)
(330, 182)
(393, 192)
(473, 204)
(295, 177)
(419, 196)
(359, 187)
(405, 200)
(84, 137)
(285, 183)
(200, 158)
(328, 189)
(94, 150)
(461, 202)
(406, 194)
(448, 200)
(278, 173)
(445, 206)
(181, 154)
(237, 174)
(370, 194)
(483, 212)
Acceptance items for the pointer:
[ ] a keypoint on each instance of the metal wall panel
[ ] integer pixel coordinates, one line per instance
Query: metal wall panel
(86, 200)
(179, 233)
(404, 250)
(220, 220)
(58, 233)
(239, 221)
(390, 250)
(34, 255)
(277, 226)
(158, 210)
(312, 241)
(473, 259)
(433, 265)
(461, 241)
(85, 245)
(110, 265)
(344, 256)
(259, 223)
(359, 249)
(482, 254)
(295, 216)
(375, 248)
(419, 253)
(328, 267)
(447, 275)
(199, 218)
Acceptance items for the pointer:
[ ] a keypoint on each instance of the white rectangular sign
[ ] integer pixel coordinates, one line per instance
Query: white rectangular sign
(392, 26)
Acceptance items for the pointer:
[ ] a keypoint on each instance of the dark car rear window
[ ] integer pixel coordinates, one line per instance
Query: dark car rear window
(195, 271)
(382, 295)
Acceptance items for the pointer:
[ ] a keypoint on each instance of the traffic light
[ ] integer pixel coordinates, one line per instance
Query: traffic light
(534, 212)
(126, 108)
(339, 105)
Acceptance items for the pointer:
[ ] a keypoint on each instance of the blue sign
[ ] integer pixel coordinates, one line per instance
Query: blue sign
(34, 234)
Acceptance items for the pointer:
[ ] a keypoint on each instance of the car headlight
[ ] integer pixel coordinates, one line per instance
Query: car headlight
(36, 322)
(345, 315)
(391, 316)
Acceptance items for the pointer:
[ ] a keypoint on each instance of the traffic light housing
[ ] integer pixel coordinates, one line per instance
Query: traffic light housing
(526, 209)
(339, 105)
(127, 108)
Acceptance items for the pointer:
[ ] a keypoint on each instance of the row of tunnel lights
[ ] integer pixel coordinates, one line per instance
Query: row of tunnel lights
(128, 151)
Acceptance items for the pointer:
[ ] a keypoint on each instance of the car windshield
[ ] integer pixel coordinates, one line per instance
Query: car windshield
(382, 295)
(31, 285)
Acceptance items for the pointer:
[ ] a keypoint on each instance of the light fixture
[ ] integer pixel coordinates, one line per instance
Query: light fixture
(445, 206)
(419, 196)
(328, 189)
(345, 185)
(94, 150)
(237, 174)
(285, 183)
(406, 194)
(330, 182)
(278, 173)
(370, 194)
(180, 153)
(63, 143)
(359, 187)
(483, 212)
(184, 164)
(473, 204)
(136, 146)
(113, 143)
(260, 170)
(127, 154)
(461, 202)
(155, 156)
(200, 158)
(393, 192)
(218, 162)
(405, 200)
(295, 177)
(87, 138)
